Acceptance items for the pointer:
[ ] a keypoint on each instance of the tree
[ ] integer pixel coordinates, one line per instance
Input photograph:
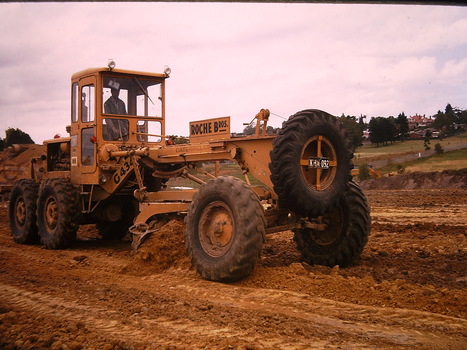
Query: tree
(16, 136)
(439, 149)
(364, 172)
(354, 130)
(250, 130)
(447, 120)
(402, 125)
(450, 113)
(376, 132)
(382, 130)
(426, 144)
(178, 140)
(463, 117)
(362, 123)
(390, 129)
(441, 122)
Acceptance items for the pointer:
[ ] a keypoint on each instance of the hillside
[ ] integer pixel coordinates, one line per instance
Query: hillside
(447, 179)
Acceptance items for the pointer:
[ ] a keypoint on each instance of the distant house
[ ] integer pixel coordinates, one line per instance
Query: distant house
(419, 121)
(416, 135)
(366, 134)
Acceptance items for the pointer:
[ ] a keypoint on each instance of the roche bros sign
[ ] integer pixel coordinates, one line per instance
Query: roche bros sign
(210, 129)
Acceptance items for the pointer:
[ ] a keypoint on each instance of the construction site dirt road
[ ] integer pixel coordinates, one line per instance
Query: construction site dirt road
(408, 290)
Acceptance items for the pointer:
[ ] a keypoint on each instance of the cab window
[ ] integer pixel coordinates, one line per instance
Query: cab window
(87, 103)
(115, 129)
(137, 96)
(87, 150)
(74, 102)
(149, 131)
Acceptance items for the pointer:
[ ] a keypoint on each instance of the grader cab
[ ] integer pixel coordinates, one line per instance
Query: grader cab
(113, 168)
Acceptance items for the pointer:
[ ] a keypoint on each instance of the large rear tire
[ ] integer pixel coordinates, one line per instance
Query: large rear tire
(346, 234)
(57, 213)
(22, 212)
(225, 228)
(310, 162)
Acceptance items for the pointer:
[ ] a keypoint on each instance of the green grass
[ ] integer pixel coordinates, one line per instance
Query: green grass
(453, 160)
(368, 153)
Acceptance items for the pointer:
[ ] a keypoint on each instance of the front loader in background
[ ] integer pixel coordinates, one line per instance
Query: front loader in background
(113, 168)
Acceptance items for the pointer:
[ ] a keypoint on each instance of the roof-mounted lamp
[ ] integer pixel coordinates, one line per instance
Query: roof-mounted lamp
(111, 64)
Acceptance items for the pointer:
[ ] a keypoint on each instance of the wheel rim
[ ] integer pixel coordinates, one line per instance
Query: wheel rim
(20, 212)
(216, 229)
(334, 222)
(51, 213)
(318, 178)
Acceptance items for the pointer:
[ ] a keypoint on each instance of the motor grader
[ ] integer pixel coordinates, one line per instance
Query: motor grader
(113, 170)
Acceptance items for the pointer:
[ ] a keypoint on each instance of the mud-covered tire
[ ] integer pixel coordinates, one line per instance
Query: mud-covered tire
(305, 190)
(57, 213)
(22, 212)
(342, 242)
(118, 230)
(225, 228)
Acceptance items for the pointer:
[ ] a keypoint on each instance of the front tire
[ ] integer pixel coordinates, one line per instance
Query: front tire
(22, 212)
(346, 234)
(225, 228)
(310, 136)
(57, 213)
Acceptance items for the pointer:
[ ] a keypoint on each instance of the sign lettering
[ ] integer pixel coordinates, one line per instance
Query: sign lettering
(210, 129)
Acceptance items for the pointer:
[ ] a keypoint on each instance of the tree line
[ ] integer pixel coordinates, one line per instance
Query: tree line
(384, 130)
(14, 135)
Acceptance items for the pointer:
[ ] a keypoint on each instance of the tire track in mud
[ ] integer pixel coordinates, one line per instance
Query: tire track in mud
(108, 322)
(357, 327)
(138, 333)
(391, 325)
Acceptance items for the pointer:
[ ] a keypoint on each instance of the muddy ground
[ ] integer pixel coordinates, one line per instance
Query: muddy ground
(408, 290)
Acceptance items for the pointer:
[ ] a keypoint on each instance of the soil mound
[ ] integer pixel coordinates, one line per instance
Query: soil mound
(165, 248)
(14, 162)
(419, 180)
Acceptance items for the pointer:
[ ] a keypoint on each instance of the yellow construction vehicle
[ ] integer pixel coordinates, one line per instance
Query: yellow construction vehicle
(374, 174)
(113, 167)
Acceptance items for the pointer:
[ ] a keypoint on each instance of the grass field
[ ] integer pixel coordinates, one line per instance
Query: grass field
(451, 160)
(370, 152)
(454, 160)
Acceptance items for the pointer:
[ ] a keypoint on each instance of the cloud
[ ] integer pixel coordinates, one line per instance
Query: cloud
(235, 58)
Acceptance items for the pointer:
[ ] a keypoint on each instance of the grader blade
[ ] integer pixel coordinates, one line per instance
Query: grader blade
(140, 233)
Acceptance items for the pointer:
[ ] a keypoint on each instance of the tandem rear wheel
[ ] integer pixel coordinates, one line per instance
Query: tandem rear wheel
(57, 213)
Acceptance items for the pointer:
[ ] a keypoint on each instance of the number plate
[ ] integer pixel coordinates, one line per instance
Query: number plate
(319, 162)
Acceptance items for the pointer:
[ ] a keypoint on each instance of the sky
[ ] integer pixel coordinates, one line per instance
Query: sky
(233, 59)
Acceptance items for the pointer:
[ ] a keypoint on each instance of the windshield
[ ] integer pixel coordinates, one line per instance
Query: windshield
(136, 96)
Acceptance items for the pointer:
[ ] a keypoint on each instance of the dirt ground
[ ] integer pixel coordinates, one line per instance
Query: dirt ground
(408, 290)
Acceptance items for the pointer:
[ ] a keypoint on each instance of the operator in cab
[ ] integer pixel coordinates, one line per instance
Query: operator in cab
(117, 129)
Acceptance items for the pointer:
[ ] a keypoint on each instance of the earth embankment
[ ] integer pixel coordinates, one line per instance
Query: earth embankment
(419, 180)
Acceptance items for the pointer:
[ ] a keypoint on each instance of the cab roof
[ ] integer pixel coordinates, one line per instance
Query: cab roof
(93, 71)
